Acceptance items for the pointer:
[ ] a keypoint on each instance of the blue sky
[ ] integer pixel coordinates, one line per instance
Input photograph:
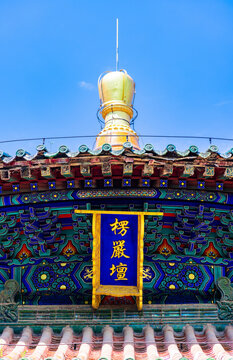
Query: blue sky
(179, 52)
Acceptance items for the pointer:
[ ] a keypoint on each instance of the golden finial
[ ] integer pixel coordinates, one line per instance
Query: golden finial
(116, 92)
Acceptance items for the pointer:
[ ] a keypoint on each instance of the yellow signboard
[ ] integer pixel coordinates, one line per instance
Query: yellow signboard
(117, 254)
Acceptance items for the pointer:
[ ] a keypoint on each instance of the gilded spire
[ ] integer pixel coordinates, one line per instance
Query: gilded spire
(116, 92)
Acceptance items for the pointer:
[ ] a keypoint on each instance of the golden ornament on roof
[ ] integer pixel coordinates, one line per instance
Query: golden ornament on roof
(116, 92)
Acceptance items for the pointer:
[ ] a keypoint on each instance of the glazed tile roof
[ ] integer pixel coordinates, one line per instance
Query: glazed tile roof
(166, 344)
(64, 151)
(99, 164)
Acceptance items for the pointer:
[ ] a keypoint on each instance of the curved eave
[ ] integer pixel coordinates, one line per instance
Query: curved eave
(169, 152)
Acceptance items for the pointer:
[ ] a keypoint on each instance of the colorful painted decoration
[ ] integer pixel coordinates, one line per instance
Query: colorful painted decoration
(88, 183)
(201, 184)
(34, 186)
(219, 186)
(52, 185)
(146, 182)
(117, 256)
(182, 183)
(126, 182)
(70, 184)
(15, 187)
(108, 182)
(163, 183)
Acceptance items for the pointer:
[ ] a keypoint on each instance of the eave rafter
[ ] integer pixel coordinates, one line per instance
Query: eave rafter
(211, 171)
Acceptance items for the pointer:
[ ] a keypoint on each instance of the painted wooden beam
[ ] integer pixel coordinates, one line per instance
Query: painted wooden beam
(66, 171)
(188, 170)
(26, 173)
(167, 170)
(46, 172)
(228, 173)
(85, 169)
(128, 169)
(106, 169)
(6, 175)
(209, 171)
(148, 170)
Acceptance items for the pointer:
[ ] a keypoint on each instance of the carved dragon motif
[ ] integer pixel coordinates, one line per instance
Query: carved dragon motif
(7, 295)
(8, 306)
(225, 305)
(224, 286)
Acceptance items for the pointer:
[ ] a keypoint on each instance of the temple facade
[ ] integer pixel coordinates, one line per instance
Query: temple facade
(116, 252)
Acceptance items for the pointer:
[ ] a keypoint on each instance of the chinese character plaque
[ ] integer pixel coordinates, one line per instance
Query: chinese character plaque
(117, 256)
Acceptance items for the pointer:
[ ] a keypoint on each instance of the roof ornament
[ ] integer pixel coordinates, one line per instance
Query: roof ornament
(116, 92)
(225, 305)
(117, 47)
(8, 306)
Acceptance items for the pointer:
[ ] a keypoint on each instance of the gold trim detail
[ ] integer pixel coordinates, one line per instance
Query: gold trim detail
(119, 212)
(140, 259)
(97, 288)
(96, 298)
(117, 291)
(113, 106)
